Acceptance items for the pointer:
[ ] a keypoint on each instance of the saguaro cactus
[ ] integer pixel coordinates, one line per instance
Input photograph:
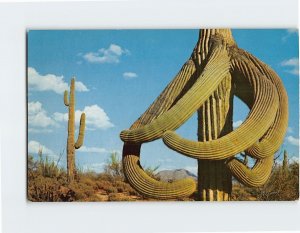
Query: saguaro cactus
(285, 162)
(71, 145)
(216, 71)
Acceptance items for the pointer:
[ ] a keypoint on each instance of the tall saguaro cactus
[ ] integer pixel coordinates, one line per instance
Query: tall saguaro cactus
(285, 162)
(71, 145)
(216, 71)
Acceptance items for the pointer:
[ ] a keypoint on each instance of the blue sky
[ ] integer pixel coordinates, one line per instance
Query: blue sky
(119, 73)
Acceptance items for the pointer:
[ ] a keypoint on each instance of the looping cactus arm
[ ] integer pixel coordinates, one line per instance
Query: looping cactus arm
(254, 127)
(253, 177)
(167, 98)
(148, 186)
(133, 171)
(274, 137)
(79, 141)
(213, 73)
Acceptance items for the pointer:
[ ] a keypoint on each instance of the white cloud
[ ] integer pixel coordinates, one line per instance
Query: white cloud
(290, 62)
(237, 123)
(96, 167)
(293, 64)
(35, 146)
(79, 86)
(85, 149)
(33, 130)
(111, 54)
(292, 140)
(96, 118)
(129, 75)
(289, 33)
(50, 82)
(37, 116)
(165, 160)
(292, 30)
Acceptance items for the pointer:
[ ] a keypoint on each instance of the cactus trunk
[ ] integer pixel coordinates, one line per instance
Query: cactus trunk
(221, 70)
(71, 132)
(71, 146)
(214, 121)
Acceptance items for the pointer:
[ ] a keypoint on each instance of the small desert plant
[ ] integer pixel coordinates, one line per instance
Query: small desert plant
(151, 171)
(283, 184)
(114, 166)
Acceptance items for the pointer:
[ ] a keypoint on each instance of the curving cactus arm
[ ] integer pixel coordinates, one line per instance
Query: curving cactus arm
(66, 101)
(80, 138)
(253, 177)
(217, 70)
(253, 128)
(148, 186)
(274, 137)
(133, 171)
(176, 88)
(212, 75)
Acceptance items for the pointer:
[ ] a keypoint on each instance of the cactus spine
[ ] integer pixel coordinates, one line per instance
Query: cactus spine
(71, 145)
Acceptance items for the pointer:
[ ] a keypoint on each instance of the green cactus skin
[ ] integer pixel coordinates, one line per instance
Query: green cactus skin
(80, 138)
(210, 89)
(215, 70)
(274, 137)
(71, 146)
(257, 123)
(214, 121)
(148, 186)
(252, 177)
(133, 171)
(170, 95)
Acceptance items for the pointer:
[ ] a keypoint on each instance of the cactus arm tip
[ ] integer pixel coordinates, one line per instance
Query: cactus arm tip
(256, 176)
(147, 185)
(66, 101)
(80, 139)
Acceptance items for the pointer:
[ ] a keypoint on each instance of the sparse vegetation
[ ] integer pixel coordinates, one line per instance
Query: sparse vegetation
(48, 182)
(283, 185)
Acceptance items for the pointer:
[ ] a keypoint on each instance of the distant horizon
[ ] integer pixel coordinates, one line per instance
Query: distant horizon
(119, 73)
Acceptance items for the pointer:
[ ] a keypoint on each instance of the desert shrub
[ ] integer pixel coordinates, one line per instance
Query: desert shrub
(48, 182)
(88, 182)
(283, 184)
(242, 193)
(151, 171)
(48, 168)
(118, 197)
(81, 191)
(48, 189)
(114, 166)
(111, 189)
(103, 184)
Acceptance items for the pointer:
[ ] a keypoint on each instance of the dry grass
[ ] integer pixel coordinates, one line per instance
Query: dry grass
(48, 183)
